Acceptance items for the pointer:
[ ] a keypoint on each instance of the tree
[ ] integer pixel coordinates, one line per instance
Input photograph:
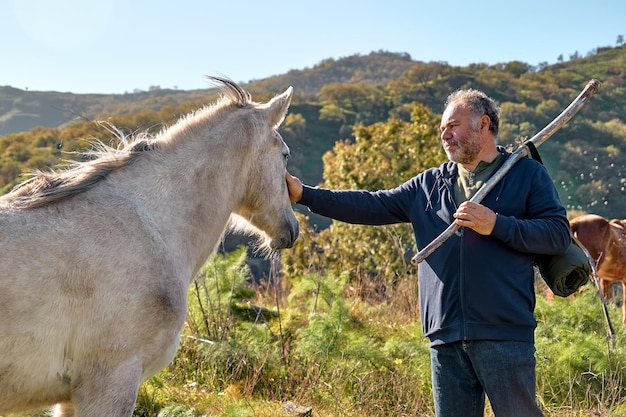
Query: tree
(383, 156)
(294, 126)
(517, 120)
(359, 103)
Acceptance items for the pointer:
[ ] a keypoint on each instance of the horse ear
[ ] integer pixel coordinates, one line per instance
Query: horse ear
(277, 107)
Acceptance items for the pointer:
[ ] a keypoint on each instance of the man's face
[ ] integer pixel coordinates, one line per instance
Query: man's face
(461, 140)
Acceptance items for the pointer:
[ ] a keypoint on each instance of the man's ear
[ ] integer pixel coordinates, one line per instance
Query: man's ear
(485, 121)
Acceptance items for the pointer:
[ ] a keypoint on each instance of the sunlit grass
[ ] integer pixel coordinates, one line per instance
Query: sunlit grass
(350, 358)
(341, 355)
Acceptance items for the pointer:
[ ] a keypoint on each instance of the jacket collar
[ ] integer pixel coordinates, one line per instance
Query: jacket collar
(443, 188)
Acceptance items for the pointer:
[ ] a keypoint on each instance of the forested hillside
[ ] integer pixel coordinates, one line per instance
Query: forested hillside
(586, 157)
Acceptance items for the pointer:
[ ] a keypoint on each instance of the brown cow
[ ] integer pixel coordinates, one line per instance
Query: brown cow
(606, 242)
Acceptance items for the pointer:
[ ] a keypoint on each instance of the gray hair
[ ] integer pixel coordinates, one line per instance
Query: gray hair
(480, 104)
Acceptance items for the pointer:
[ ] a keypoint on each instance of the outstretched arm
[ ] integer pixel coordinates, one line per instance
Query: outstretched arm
(352, 206)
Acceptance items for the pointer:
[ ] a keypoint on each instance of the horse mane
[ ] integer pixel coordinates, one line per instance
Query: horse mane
(44, 188)
(232, 90)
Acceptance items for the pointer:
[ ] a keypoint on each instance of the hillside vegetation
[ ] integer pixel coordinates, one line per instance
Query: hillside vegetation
(586, 157)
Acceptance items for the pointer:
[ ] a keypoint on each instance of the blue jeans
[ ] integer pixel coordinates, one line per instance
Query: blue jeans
(463, 372)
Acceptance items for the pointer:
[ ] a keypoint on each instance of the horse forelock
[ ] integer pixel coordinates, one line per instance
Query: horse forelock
(231, 96)
(232, 91)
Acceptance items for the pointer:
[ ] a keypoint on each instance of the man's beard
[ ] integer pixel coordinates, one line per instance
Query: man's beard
(468, 149)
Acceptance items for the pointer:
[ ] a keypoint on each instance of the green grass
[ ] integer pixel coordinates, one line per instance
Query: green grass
(343, 356)
(346, 357)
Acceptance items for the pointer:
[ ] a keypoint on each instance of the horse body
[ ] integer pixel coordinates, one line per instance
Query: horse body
(94, 278)
(606, 242)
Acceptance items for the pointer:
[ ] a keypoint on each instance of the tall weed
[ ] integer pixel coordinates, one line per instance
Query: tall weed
(577, 365)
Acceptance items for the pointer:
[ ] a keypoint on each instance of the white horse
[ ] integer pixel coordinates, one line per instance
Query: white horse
(96, 259)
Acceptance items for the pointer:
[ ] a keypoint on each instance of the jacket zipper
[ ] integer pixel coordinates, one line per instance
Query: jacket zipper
(461, 234)
(462, 281)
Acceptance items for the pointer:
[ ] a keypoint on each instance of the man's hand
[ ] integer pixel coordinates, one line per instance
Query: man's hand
(476, 216)
(294, 185)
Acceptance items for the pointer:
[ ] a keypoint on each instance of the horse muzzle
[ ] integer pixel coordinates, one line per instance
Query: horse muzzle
(288, 236)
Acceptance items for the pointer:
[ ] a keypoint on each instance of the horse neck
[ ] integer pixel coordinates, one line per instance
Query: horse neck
(190, 194)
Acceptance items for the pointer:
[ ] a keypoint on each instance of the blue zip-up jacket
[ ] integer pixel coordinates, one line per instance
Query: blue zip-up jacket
(472, 287)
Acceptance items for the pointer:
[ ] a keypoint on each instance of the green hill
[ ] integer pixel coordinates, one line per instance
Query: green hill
(586, 157)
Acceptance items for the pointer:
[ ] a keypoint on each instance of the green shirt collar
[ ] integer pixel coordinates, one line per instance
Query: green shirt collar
(469, 182)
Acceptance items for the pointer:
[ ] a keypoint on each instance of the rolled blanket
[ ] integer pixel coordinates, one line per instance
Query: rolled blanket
(565, 273)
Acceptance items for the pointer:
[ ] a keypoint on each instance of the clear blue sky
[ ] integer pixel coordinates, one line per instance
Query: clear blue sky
(117, 46)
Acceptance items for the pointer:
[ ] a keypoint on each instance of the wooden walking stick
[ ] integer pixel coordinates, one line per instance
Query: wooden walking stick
(590, 89)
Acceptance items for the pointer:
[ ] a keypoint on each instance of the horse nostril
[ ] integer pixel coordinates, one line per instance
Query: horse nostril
(295, 232)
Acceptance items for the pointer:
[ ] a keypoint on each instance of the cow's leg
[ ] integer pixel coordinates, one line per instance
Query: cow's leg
(624, 302)
(107, 390)
(606, 288)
